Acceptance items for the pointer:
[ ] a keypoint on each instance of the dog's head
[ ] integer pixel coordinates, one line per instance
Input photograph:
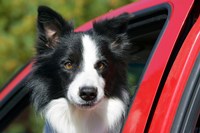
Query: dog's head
(83, 67)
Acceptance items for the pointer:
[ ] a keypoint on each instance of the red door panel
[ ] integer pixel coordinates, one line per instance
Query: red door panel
(142, 104)
(174, 87)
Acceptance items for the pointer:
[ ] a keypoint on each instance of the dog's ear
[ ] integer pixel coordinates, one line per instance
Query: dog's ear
(51, 26)
(114, 26)
(116, 30)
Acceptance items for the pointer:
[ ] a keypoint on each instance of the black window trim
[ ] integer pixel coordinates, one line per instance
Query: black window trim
(15, 101)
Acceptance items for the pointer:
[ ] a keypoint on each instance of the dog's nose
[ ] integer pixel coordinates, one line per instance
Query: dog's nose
(88, 93)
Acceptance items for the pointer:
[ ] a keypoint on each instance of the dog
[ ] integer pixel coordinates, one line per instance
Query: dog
(78, 80)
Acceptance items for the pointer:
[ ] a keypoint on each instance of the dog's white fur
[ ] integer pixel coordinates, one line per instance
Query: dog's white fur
(66, 118)
(88, 76)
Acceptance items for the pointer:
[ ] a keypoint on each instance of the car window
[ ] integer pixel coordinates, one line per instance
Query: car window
(17, 37)
(144, 31)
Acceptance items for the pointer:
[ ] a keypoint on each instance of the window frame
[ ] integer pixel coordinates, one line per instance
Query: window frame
(156, 72)
(173, 89)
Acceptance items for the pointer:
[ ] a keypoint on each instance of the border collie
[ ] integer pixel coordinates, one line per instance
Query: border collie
(79, 81)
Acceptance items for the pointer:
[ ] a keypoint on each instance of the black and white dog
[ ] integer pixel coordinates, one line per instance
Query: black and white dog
(79, 81)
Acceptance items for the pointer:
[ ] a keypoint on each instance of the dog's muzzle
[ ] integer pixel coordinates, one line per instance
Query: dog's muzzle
(87, 93)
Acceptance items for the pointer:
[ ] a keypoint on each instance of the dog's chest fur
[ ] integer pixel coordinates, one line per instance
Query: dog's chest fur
(65, 118)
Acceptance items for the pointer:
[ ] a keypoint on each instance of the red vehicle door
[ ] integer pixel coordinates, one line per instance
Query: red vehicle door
(178, 89)
(163, 54)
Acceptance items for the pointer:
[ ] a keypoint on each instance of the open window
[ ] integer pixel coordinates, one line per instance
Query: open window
(145, 30)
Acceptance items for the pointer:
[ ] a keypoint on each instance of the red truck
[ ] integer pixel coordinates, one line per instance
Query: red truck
(166, 61)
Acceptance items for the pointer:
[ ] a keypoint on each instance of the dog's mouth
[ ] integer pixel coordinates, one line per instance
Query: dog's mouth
(88, 105)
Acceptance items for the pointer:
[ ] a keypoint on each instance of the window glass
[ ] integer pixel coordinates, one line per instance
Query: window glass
(144, 30)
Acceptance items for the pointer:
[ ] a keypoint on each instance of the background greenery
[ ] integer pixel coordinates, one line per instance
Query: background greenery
(18, 26)
(17, 39)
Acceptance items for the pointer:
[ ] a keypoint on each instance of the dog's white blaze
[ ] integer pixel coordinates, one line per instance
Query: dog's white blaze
(88, 76)
(65, 118)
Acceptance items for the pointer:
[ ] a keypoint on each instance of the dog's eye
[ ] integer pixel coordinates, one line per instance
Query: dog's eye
(101, 66)
(68, 65)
